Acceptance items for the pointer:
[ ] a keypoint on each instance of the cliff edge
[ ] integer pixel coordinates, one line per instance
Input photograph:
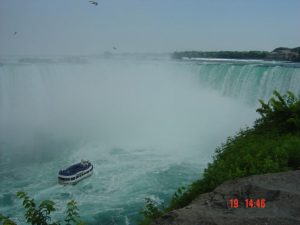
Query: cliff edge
(279, 193)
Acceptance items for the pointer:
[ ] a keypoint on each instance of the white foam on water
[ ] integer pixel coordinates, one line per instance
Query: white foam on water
(148, 127)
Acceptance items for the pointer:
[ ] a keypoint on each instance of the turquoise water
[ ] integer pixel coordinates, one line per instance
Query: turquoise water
(148, 126)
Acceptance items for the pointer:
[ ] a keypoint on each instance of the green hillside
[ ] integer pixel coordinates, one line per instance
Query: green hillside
(271, 145)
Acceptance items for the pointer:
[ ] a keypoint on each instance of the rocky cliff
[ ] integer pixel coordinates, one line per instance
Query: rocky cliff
(275, 198)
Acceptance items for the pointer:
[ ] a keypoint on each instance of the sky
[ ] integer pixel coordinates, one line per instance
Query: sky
(158, 26)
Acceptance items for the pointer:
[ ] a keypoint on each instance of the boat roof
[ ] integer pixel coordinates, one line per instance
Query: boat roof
(75, 168)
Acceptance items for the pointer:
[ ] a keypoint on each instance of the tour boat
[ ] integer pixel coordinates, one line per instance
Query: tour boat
(75, 173)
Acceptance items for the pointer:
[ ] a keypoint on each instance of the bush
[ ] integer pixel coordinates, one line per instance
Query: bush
(151, 211)
(41, 215)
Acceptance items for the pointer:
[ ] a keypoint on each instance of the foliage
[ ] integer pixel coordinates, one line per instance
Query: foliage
(272, 145)
(178, 195)
(6, 221)
(281, 113)
(151, 211)
(281, 53)
(34, 215)
(41, 215)
(72, 214)
(222, 54)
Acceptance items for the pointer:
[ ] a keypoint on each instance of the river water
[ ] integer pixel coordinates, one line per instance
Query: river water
(148, 126)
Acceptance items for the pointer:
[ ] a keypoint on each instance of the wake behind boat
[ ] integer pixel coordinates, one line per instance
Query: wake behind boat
(75, 173)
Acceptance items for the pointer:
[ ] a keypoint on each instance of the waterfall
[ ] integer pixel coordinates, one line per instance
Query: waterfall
(148, 126)
(249, 82)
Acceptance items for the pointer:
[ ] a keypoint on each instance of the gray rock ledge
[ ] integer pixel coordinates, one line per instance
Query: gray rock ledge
(281, 192)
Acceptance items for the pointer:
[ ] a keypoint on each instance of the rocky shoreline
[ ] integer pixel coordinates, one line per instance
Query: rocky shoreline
(280, 191)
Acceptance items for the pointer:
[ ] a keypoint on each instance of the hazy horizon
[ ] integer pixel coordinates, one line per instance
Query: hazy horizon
(148, 124)
(139, 26)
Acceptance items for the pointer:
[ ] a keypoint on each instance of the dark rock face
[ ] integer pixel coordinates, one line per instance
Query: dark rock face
(281, 192)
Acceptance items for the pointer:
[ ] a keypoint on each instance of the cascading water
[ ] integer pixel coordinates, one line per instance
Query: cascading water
(149, 126)
(249, 81)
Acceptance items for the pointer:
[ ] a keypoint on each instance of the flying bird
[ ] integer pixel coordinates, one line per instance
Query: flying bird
(15, 33)
(114, 48)
(94, 3)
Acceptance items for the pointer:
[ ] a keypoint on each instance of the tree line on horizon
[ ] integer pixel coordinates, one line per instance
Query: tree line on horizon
(281, 53)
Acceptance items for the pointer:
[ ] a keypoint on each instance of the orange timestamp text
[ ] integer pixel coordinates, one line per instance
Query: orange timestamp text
(247, 203)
